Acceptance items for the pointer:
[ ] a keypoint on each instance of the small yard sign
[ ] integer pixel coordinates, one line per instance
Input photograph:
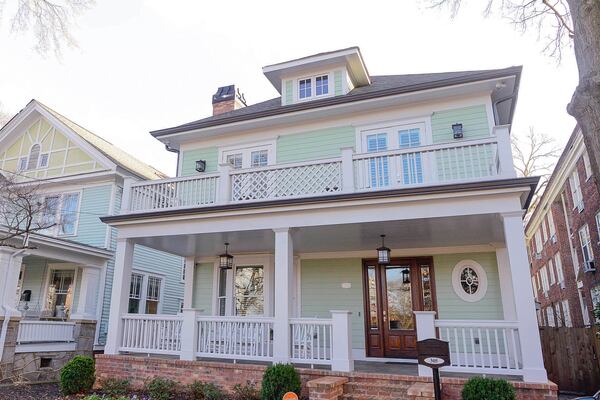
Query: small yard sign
(434, 353)
(290, 396)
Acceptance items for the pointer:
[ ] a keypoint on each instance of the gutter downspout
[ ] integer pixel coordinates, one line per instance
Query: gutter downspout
(172, 150)
(6, 308)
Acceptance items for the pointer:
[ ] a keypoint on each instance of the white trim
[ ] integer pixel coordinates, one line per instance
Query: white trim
(481, 274)
(54, 231)
(144, 290)
(60, 267)
(247, 149)
(313, 86)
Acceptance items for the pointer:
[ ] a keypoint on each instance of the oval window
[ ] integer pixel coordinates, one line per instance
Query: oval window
(469, 280)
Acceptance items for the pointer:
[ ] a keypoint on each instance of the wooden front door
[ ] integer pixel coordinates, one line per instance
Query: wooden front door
(392, 293)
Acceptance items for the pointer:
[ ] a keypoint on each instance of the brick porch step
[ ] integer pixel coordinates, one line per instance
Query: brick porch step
(367, 390)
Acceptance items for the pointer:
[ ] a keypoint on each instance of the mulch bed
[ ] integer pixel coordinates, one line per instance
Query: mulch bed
(41, 391)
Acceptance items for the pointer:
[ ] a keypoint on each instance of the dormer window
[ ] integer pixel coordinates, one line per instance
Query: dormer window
(315, 86)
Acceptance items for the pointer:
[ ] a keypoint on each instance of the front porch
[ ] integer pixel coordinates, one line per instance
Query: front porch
(312, 296)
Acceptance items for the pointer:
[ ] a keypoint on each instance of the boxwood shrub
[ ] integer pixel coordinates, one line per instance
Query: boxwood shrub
(490, 389)
(278, 380)
(77, 376)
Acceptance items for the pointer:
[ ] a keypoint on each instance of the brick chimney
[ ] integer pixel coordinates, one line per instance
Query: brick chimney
(227, 99)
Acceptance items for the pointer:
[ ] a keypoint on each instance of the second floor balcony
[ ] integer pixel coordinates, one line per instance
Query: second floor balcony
(462, 161)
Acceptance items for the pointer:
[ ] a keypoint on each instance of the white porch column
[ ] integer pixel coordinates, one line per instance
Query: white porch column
(507, 168)
(347, 170)
(284, 272)
(531, 349)
(126, 205)
(506, 287)
(341, 354)
(88, 294)
(120, 294)
(10, 267)
(224, 186)
(425, 321)
(188, 290)
(189, 335)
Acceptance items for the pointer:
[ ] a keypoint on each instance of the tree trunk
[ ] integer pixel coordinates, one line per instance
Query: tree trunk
(585, 103)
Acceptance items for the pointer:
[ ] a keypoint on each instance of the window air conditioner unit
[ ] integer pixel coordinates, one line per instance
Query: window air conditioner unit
(553, 239)
(538, 256)
(589, 266)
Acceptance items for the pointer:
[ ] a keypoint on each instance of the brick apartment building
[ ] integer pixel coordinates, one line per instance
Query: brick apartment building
(563, 237)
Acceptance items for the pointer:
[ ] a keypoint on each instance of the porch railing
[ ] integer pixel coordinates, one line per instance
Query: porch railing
(482, 346)
(151, 334)
(312, 340)
(235, 338)
(459, 161)
(45, 332)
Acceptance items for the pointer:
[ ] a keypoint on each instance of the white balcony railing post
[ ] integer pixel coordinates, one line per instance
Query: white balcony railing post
(425, 321)
(189, 335)
(341, 357)
(224, 186)
(505, 158)
(347, 170)
(126, 199)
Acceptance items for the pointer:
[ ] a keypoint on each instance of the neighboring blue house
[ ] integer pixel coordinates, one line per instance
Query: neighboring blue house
(69, 275)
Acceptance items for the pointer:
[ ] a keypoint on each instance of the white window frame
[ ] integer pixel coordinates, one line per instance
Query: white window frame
(144, 294)
(552, 271)
(42, 155)
(576, 193)
(567, 313)
(48, 277)
(551, 226)
(55, 231)
(559, 270)
(550, 315)
(544, 230)
(585, 240)
(246, 151)
(391, 129)
(544, 276)
(182, 276)
(481, 274)
(587, 165)
(22, 164)
(313, 86)
(538, 241)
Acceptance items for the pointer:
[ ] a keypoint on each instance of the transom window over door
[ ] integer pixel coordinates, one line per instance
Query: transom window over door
(394, 170)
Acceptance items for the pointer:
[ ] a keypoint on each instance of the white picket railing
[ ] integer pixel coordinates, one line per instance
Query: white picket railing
(287, 181)
(151, 334)
(196, 191)
(45, 332)
(482, 346)
(312, 340)
(240, 338)
(426, 165)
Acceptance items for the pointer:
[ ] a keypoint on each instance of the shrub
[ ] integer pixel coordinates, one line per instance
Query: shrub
(206, 391)
(489, 389)
(77, 375)
(161, 388)
(93, 397)
(115, 387)
(278, 380)
(246, 392)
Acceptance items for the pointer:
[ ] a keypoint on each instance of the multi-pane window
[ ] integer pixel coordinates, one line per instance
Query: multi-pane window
(249, 290)
(551, 226)
(34, 155)
(566, 314)
(305, 88)
(551, 271)
(22, 164)
(559, 317)
(544, 275)
(586, 244)
(59, 214)
(259, 158)
(235, 160)
(550, 315)
(412, 166)
(60, 293)
(538, 241)
(153, 295)
(586, 164)
(560, 277)
(576, 190)
(43, 163)
(544, 231)
(534, 286)
(379, 166)
(322, 85)
(135, 293)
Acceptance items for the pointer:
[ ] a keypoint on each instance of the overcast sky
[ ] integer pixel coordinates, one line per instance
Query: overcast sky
(145, 65)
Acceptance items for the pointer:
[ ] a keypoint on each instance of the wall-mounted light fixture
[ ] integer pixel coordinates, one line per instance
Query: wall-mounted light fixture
(406, 275)
(457, 131)
(201, 165)
(383, 253)
(226, 259)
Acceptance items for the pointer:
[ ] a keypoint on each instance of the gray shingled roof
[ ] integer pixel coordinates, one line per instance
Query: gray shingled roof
(381, 85)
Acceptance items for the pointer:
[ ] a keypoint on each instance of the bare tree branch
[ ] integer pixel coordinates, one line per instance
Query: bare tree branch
(4, 116)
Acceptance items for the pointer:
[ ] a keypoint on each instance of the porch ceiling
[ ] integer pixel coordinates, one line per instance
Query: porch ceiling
(417, 233)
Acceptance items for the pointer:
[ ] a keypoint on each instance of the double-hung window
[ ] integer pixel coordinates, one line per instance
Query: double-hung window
(544, 275)
(550, 315)
(544, 231)
(566, 314)
(153, 294)
(412, 166)
(59, 300)
(551, 226)
(135, 293)
(587, 166)
(314, 86)
(586, 244)
(552, 272)
(144, 293)
(576, 193)
(378, 166)
(59, 214)
(559, 269)
(538, 241)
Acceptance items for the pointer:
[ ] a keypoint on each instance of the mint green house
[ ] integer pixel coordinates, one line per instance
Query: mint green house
(340, 222)
(67, 275)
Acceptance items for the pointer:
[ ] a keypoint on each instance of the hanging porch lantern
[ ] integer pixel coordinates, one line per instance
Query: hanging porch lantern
(383, 253)
(406, 275)
(226, 259)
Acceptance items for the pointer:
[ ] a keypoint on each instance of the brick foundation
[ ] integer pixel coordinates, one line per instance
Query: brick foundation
(139, 370)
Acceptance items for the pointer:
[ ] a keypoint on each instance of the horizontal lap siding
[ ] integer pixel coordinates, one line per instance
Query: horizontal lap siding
(203, 288)
(189, 158)
(450, 306)
(95, 202)
(474, 119)
(321, 291)
(314, 145)
(33, 279)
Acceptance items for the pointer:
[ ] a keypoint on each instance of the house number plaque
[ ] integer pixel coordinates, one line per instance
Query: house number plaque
(434, 353)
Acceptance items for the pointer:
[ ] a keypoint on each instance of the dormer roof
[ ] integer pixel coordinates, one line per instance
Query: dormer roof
(350, 57)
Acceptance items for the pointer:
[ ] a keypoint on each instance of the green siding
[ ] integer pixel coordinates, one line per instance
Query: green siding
(337, 83)
(95, 202)
(321, 288)
(474, 119)
(289, 92)
(314, 145)
(189, 157)
(203, 286)
(450, 306)
(33, 279)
